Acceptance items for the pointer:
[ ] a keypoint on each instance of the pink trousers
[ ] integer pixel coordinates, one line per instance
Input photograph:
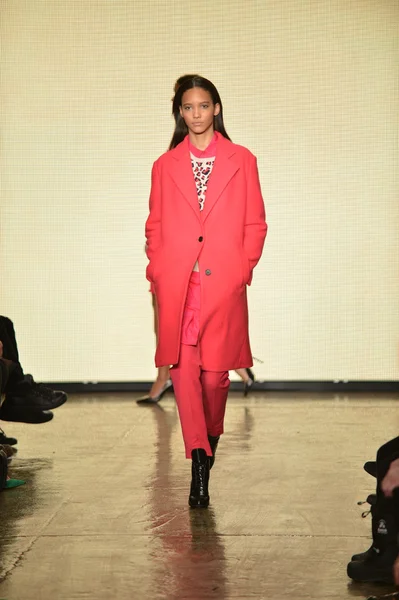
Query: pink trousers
(200, 395)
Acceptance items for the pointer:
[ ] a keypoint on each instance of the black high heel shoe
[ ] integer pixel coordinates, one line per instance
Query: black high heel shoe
(250, 382)
(147, 399)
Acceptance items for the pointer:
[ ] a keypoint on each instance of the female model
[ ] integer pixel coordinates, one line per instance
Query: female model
(163, 382)
(205, 234)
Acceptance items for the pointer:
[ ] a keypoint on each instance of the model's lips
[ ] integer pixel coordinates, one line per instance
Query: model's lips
(197, 124)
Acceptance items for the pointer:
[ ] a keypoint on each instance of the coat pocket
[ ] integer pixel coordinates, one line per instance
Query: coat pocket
(152, 268)
(155, 266)
(149, 272)
(246, 270)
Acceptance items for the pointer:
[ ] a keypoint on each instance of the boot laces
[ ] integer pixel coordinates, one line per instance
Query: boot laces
(369, 501)
(200, 473)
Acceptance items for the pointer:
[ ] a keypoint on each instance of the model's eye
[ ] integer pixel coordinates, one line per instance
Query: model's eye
(205, 106)
(187, 108)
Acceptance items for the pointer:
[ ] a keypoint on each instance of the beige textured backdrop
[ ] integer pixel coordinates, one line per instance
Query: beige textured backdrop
(310, 86)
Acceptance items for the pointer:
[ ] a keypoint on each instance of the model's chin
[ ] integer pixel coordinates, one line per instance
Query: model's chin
(198, 130)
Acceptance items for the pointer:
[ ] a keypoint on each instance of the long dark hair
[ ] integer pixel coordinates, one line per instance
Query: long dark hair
(181, 129)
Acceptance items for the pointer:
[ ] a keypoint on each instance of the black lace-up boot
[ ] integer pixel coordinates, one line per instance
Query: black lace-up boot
(372, 500)
(376, 564)
(213, 442)
(199, 495)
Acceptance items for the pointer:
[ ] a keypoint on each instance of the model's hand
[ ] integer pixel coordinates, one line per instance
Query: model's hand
(391, 480)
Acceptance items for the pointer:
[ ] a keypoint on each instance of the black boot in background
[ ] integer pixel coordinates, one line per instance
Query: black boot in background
(379, 559)
(213, 442)
(31, 395)
(199, 495)
(372, 500)
(377, 564)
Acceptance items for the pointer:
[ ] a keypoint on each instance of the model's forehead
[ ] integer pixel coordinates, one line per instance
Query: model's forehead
(196, 95)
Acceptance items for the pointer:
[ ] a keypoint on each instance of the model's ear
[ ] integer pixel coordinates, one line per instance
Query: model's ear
(180, 111)
(217, 110)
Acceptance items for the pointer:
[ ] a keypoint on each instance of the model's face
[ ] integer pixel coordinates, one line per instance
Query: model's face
(198, 110)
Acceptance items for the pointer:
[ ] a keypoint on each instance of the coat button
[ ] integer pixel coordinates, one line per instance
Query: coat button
(200, 239)
(208, 272)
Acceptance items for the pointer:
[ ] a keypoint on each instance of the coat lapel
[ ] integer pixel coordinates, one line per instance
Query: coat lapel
(182, 174)
(223, 170)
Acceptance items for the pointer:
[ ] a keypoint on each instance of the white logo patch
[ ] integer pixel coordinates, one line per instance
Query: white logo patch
(382, 527)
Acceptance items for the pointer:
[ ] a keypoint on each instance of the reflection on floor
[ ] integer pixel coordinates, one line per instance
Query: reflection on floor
(104, 513)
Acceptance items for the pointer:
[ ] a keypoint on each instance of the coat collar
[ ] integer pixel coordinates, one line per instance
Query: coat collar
(223, 170)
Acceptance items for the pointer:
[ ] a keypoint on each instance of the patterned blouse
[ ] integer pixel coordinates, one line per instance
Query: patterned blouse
(202, 162)
(202, 168)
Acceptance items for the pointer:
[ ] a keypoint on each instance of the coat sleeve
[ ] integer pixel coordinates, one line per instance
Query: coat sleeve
(153, 223)
(255, 222)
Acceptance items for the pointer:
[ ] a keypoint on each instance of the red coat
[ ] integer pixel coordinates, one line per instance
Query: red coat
(227, 240)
